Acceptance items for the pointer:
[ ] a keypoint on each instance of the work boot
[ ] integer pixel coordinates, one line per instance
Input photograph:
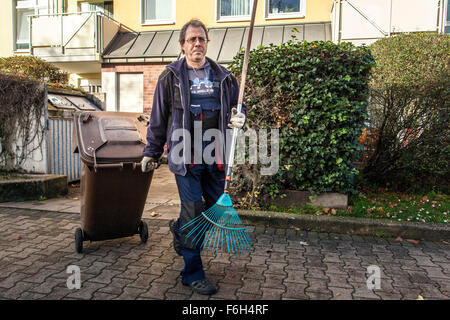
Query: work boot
(203, 286)
(176, 242)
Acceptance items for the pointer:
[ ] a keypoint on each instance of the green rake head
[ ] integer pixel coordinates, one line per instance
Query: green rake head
(219, 229)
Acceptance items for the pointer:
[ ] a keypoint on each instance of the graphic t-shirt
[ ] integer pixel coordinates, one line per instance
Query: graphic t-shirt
(205, 102)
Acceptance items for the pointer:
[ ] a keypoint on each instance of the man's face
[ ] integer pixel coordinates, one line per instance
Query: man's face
(195, 45)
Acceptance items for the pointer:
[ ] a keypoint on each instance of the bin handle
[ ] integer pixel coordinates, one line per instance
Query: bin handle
(109, 165)
(119, 165)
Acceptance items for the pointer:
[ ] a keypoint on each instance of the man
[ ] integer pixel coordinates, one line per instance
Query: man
(194, 92)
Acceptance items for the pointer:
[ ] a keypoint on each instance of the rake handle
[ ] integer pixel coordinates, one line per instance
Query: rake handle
(241, 96)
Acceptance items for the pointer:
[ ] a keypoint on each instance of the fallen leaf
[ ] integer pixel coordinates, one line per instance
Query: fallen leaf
(76, 198)
(297, 229)
(268, 250)
(338, 294)
(425, 198)
(399, 239)
(412, 241)
(303, 243)
(380, 209)
(445, 242)
(326, 210)
(419, 297)
(153, 214)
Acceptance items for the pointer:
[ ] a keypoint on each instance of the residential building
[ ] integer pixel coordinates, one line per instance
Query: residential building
(119, 47)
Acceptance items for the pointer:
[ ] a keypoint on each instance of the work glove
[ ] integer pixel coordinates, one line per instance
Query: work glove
(149, 164)
(237, 120)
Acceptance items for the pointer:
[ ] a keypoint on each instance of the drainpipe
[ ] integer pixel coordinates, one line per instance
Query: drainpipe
(340, 22)
(390, 19)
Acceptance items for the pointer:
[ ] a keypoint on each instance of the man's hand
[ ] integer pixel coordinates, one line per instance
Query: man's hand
(149, 164)
(237, 120)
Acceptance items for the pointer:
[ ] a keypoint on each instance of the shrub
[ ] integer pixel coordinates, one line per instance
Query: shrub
(32, 68)
(316, 94)
(409, 113)
(21, 119)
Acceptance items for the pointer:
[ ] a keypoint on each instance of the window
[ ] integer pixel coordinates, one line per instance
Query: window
(105, 7)
(279, 9)
(233, 10)
(23, 9)
(158, 11)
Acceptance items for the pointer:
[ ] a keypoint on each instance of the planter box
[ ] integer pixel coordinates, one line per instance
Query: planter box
(298, 198)
(37, 185)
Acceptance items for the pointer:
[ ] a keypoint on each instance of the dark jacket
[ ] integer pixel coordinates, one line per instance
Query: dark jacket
(170, 109)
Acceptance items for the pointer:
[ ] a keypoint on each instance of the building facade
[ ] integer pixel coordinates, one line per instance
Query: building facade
(119, 47)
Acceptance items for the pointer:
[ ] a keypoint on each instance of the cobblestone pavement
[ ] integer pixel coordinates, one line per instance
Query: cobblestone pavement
(36, 247)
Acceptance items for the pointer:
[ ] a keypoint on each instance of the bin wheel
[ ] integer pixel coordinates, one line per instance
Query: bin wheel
(79, 240)
(143, 231)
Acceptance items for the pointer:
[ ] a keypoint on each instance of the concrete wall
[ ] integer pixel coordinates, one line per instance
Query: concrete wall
(365, 21)
(6, 31)
(36, 161)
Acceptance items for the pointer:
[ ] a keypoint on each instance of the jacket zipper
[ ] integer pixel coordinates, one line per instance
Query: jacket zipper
(221, 111)
(184, 107)
(224, 149)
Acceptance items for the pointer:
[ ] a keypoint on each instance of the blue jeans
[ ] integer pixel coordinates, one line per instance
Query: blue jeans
(199, 189)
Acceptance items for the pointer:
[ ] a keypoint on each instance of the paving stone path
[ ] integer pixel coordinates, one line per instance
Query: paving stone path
(36, 247)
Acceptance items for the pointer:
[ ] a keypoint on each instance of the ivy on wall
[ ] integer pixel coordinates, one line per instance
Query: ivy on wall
(22, 104)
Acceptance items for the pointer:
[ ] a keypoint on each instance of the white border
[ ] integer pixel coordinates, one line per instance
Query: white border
(273, 16)
(157, 22)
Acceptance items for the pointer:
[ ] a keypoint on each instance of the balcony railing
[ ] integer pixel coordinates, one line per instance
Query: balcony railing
(80, 36)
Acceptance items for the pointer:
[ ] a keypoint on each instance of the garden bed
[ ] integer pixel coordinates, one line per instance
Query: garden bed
(382, 204)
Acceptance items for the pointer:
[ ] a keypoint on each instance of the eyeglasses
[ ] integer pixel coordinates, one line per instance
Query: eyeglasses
(193, 40)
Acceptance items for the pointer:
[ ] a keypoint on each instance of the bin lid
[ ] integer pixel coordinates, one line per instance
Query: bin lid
(110, 137)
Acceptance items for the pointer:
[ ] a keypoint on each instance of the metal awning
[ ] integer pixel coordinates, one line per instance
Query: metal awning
(163, 46)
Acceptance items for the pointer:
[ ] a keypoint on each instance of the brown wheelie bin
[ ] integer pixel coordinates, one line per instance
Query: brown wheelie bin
(113, 186)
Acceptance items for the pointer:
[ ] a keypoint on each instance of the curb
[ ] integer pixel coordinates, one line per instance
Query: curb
(351, 226)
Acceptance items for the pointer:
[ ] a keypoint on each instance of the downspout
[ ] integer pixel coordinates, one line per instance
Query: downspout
(45, 141)
(340, 22)
(441, 16)
(390, 19)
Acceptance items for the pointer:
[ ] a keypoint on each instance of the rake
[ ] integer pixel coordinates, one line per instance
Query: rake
(219, 227)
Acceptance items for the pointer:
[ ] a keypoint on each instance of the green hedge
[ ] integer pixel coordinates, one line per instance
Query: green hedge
(33, 68)
(316, 94)
(410, 113)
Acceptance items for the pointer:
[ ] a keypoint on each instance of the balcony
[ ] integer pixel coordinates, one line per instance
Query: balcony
(73, 41)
